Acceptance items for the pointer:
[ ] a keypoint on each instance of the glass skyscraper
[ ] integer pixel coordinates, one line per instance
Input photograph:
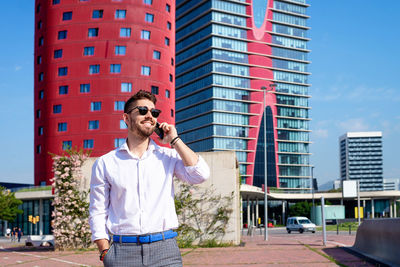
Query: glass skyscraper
(361, 159)
(229, 52)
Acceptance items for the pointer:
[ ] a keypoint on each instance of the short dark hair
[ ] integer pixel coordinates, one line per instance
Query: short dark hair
(142, 94)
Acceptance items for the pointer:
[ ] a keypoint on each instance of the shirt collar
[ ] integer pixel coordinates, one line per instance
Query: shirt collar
(151, 148)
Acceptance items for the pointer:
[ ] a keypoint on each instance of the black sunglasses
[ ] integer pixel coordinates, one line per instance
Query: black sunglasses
(143, 111)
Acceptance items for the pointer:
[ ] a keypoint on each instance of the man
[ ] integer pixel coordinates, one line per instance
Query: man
(19, 233)
(132, 193)
(14, 234)
(8, 233)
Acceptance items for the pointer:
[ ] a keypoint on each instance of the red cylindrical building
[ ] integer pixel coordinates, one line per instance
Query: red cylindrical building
(90, 57)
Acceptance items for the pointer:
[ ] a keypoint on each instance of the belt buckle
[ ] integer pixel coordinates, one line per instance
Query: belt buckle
(143, 239)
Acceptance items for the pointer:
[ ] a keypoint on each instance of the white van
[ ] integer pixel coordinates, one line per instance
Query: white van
(300, 224)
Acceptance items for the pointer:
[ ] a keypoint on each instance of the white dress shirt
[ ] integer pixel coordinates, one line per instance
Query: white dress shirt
(135, 196)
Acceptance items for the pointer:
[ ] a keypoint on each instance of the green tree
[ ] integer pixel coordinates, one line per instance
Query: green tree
(300, 209)
(8, 205)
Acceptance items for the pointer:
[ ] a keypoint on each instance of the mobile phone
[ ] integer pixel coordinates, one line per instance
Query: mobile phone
(159, 131)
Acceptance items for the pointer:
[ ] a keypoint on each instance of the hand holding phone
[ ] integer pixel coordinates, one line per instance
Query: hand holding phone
(159, 131)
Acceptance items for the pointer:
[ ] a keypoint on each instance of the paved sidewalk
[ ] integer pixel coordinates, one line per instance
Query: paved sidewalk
(283, 250)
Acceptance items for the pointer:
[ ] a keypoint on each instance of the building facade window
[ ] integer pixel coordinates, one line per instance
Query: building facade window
(88, 51)
(38, 114)
(120, 13)
(67, 15)
(154, 90)
(66, 145)
(148, 2)
(122, 125)
(40, 130)
(145, 35)
(41, 76)
(120, 50)
(115, 68)
(62, 35)
(93, 32)
(171, 78)
(145, 70)
(63, 71)
(88, 143)
(41, 94)
(168, 8)
(119, 105)
(166, 41)
(38, 149)
(55, 2)
(172, 113)
(95, 106)
(167, 93)
(149, 18)
(169, 25)
(40, 24)
(84, 88)
(93, 69)
(63, 90)
(62, 126)
(57, 109)
(118, 142)
(125, 32)
(58, 53)
(93, 125)
(156, 54)
(126, 87)
(41, 41)
(97, 14)
(39, 60)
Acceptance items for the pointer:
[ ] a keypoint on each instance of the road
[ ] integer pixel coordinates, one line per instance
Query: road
(281, 231)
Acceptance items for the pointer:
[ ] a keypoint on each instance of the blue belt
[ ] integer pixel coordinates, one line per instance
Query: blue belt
(145, 238)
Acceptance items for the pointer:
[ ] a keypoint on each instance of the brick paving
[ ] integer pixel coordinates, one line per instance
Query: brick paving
(280, 249)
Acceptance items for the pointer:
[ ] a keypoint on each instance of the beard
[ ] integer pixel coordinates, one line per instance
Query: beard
(141, 130)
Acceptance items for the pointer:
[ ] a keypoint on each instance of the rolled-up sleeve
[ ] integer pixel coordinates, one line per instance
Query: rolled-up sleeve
(99, 201)
(193, 174)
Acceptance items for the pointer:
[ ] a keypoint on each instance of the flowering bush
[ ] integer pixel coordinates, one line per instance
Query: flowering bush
(71, 206)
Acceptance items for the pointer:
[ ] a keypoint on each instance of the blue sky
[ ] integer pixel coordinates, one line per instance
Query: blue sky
(354, 71)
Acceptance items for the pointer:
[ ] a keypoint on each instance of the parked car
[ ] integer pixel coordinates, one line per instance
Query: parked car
(300, 224)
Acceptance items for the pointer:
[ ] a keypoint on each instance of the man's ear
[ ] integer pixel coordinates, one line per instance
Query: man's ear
(126, 118)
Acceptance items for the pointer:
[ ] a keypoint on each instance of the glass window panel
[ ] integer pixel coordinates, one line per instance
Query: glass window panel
(84, 88)
(120, 13)
(126, 87)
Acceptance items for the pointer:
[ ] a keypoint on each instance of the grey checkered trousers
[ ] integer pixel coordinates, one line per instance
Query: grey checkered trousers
(157, 254)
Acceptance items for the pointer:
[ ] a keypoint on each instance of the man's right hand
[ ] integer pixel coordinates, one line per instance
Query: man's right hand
(102, 244)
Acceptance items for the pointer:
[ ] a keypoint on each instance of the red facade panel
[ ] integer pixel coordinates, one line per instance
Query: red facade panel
(258, 39)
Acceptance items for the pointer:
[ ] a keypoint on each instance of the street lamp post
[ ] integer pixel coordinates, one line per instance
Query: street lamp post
(272, 86)
(312, 191)
(312, 184)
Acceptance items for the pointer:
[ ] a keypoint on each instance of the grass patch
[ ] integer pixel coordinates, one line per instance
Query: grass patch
(33, 189)
(324, 255)
(86, 249)
(211, 243)
(342, 227)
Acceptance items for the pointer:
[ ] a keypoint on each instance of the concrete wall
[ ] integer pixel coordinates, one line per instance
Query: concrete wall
(224, 178)
(379, 239)
(87, 173)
